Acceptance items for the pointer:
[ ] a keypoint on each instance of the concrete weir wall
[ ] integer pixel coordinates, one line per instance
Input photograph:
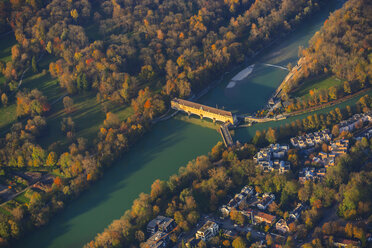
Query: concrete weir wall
(209, 112)
(203, 111)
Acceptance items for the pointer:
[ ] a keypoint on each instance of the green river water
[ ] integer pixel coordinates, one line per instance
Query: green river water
(169, 145)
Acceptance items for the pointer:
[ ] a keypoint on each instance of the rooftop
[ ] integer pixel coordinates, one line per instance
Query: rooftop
(206, 226)
(203, 107)
(266, 216)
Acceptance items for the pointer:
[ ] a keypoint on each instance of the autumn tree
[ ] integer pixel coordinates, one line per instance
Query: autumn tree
(347, 88)
(239, 243)
(4, 99)
(51, 159)
(68, 104)
(271, 135)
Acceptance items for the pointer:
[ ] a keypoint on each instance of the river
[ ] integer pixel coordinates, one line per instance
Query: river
(169, 145)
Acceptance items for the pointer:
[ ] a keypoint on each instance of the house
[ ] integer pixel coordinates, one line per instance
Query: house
(320, 172)
(367, 134)
(346, 243)
(266, 201)
(284, 167)
(302, 143)
(310, 139)
(248, 213)
(193, 242)
(329, 162)
(207, 231)
(229, 234)
(294, 141)
(161, 223)
(339, 147)
(261, 217)
(282, 226)
(323, 155)
(246, 192)
(157, 240)
(296, 213)
(357, 119)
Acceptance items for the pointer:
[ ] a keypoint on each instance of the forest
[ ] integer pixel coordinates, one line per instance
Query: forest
(342, 48)
(132, 54)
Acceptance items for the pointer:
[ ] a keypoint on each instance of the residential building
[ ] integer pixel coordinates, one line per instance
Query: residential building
(229, 234)
(351, 123)
(346, 243)
(339, 147)
(245, 193)
(366, 133)
(261, 217)
(310, 174)
(158, 240)
(161, 223)
(282, 226)
(267, 199)
(296, 213)
(284, 167)
(207, 231)
(310, 139)
(192, 242)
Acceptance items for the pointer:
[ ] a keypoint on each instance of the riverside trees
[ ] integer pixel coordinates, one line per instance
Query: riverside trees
(341, 48)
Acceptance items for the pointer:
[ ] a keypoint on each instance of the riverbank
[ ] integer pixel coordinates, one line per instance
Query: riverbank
(325, 105)
(246, 134)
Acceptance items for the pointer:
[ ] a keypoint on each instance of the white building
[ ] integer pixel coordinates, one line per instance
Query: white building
(207, 231)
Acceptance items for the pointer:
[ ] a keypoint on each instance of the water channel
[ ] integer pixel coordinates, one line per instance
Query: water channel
(169, 145)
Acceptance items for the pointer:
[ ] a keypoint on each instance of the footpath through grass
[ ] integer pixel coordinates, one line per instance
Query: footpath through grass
(316, 83)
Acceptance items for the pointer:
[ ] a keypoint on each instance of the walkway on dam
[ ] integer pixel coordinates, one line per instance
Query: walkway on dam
(209, 112)
(201, 110)
(226, 136)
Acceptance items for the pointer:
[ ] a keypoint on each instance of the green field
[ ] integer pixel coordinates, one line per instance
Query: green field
(22, 199)
(8, 116)
(317, 83)
(6, 44)
(88, 115)
(4, 211)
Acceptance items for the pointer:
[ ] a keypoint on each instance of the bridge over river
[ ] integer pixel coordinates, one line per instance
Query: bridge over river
(214, 114)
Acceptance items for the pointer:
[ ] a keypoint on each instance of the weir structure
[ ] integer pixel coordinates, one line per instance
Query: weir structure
(203, 111)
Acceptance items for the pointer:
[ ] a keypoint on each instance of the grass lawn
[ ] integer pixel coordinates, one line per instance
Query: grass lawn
(5, 212)
(7, 117)
(22, 199)
(43, 82)
(46, 84)
(317, 83)
(6, 43)
(87, 115)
